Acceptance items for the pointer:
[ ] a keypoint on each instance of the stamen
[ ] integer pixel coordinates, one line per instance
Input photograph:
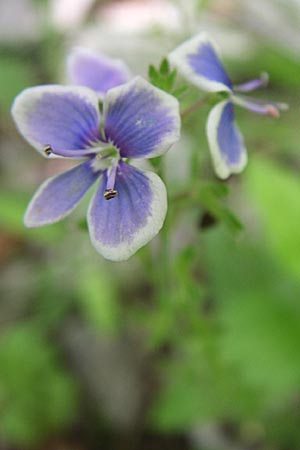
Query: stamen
(48, 150)
(272, 111)
(260, 106)
(110, 193)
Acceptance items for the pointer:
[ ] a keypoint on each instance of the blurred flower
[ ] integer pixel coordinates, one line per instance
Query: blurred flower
(139, 121)
(69, 14)
(16, 31)
(197, 60)
(96, 71)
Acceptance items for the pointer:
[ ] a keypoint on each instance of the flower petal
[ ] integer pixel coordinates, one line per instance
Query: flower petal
(59, 195)
(63, 117)
(141, 120)
(198, 61)
(226, 143)
(96, 71)
(120, 226)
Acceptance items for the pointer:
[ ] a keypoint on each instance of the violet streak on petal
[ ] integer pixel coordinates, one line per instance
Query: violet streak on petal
(59, 195)
(120, 226)
(63, 117)
(96, 71)
(226, 143)
(197, 60)
(141, 120)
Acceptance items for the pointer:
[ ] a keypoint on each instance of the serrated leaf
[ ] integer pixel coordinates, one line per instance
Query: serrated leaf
(152, 73)
(164, 67)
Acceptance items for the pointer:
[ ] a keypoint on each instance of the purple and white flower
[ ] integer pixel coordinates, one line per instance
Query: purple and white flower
(139, 121)
(198, 61)
(99, 72)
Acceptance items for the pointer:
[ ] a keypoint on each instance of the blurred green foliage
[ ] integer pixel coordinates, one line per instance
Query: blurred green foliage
(36, 397)
(214, 304)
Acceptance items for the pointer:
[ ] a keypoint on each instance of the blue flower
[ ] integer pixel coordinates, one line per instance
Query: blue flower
(99, 72)
(197, 60)
(139, 121)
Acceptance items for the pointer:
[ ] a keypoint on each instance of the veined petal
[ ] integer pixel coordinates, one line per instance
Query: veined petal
(63, 117)
(98, 72)
(225, 141)
(197, 60)
(59, 195)
(120, 226)
(260, 106)
(250, 85)
(140, 119)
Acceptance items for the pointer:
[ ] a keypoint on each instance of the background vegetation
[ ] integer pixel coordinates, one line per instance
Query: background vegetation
(193, 344)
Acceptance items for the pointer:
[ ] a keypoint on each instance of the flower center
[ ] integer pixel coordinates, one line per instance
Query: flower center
(102, 158)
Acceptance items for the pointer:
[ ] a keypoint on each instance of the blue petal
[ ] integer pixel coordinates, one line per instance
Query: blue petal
(59, 195)
(60, 116)
(198, 61)
(141, 120)
(96, 71)
(226, 143)
(120, 226)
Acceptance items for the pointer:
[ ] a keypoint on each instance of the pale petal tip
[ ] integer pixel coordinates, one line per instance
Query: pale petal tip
(128, 246)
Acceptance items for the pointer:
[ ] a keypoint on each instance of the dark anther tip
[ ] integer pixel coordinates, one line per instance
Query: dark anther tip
(48, 150)
(109, 193)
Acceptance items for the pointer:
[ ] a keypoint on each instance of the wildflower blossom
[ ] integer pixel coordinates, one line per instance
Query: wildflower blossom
(139, 121)
(96, 71)
(197, 60)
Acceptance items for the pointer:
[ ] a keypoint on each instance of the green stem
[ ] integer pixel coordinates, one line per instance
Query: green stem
(194, 106)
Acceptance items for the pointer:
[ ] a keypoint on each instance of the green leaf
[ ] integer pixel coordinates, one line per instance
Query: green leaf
(164, 67)
(180, 90)
(97, 297)
(210, 196)
(259, 311)
(37, 397)
(162, 77)
(200, 388)
(15, 75)
(153, 74)
(13, 206)
(275, 192)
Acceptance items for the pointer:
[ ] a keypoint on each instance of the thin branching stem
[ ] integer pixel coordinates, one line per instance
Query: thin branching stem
(194, 106)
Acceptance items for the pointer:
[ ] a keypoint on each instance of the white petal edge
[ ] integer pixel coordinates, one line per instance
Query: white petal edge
(27, 219)
(144, 235)
(177, 58)
(222, 169)
(30, 96)
(168, 101)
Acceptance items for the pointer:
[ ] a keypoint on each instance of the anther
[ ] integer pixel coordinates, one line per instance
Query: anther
(48, 150)
(272, 111)
(110, 193)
